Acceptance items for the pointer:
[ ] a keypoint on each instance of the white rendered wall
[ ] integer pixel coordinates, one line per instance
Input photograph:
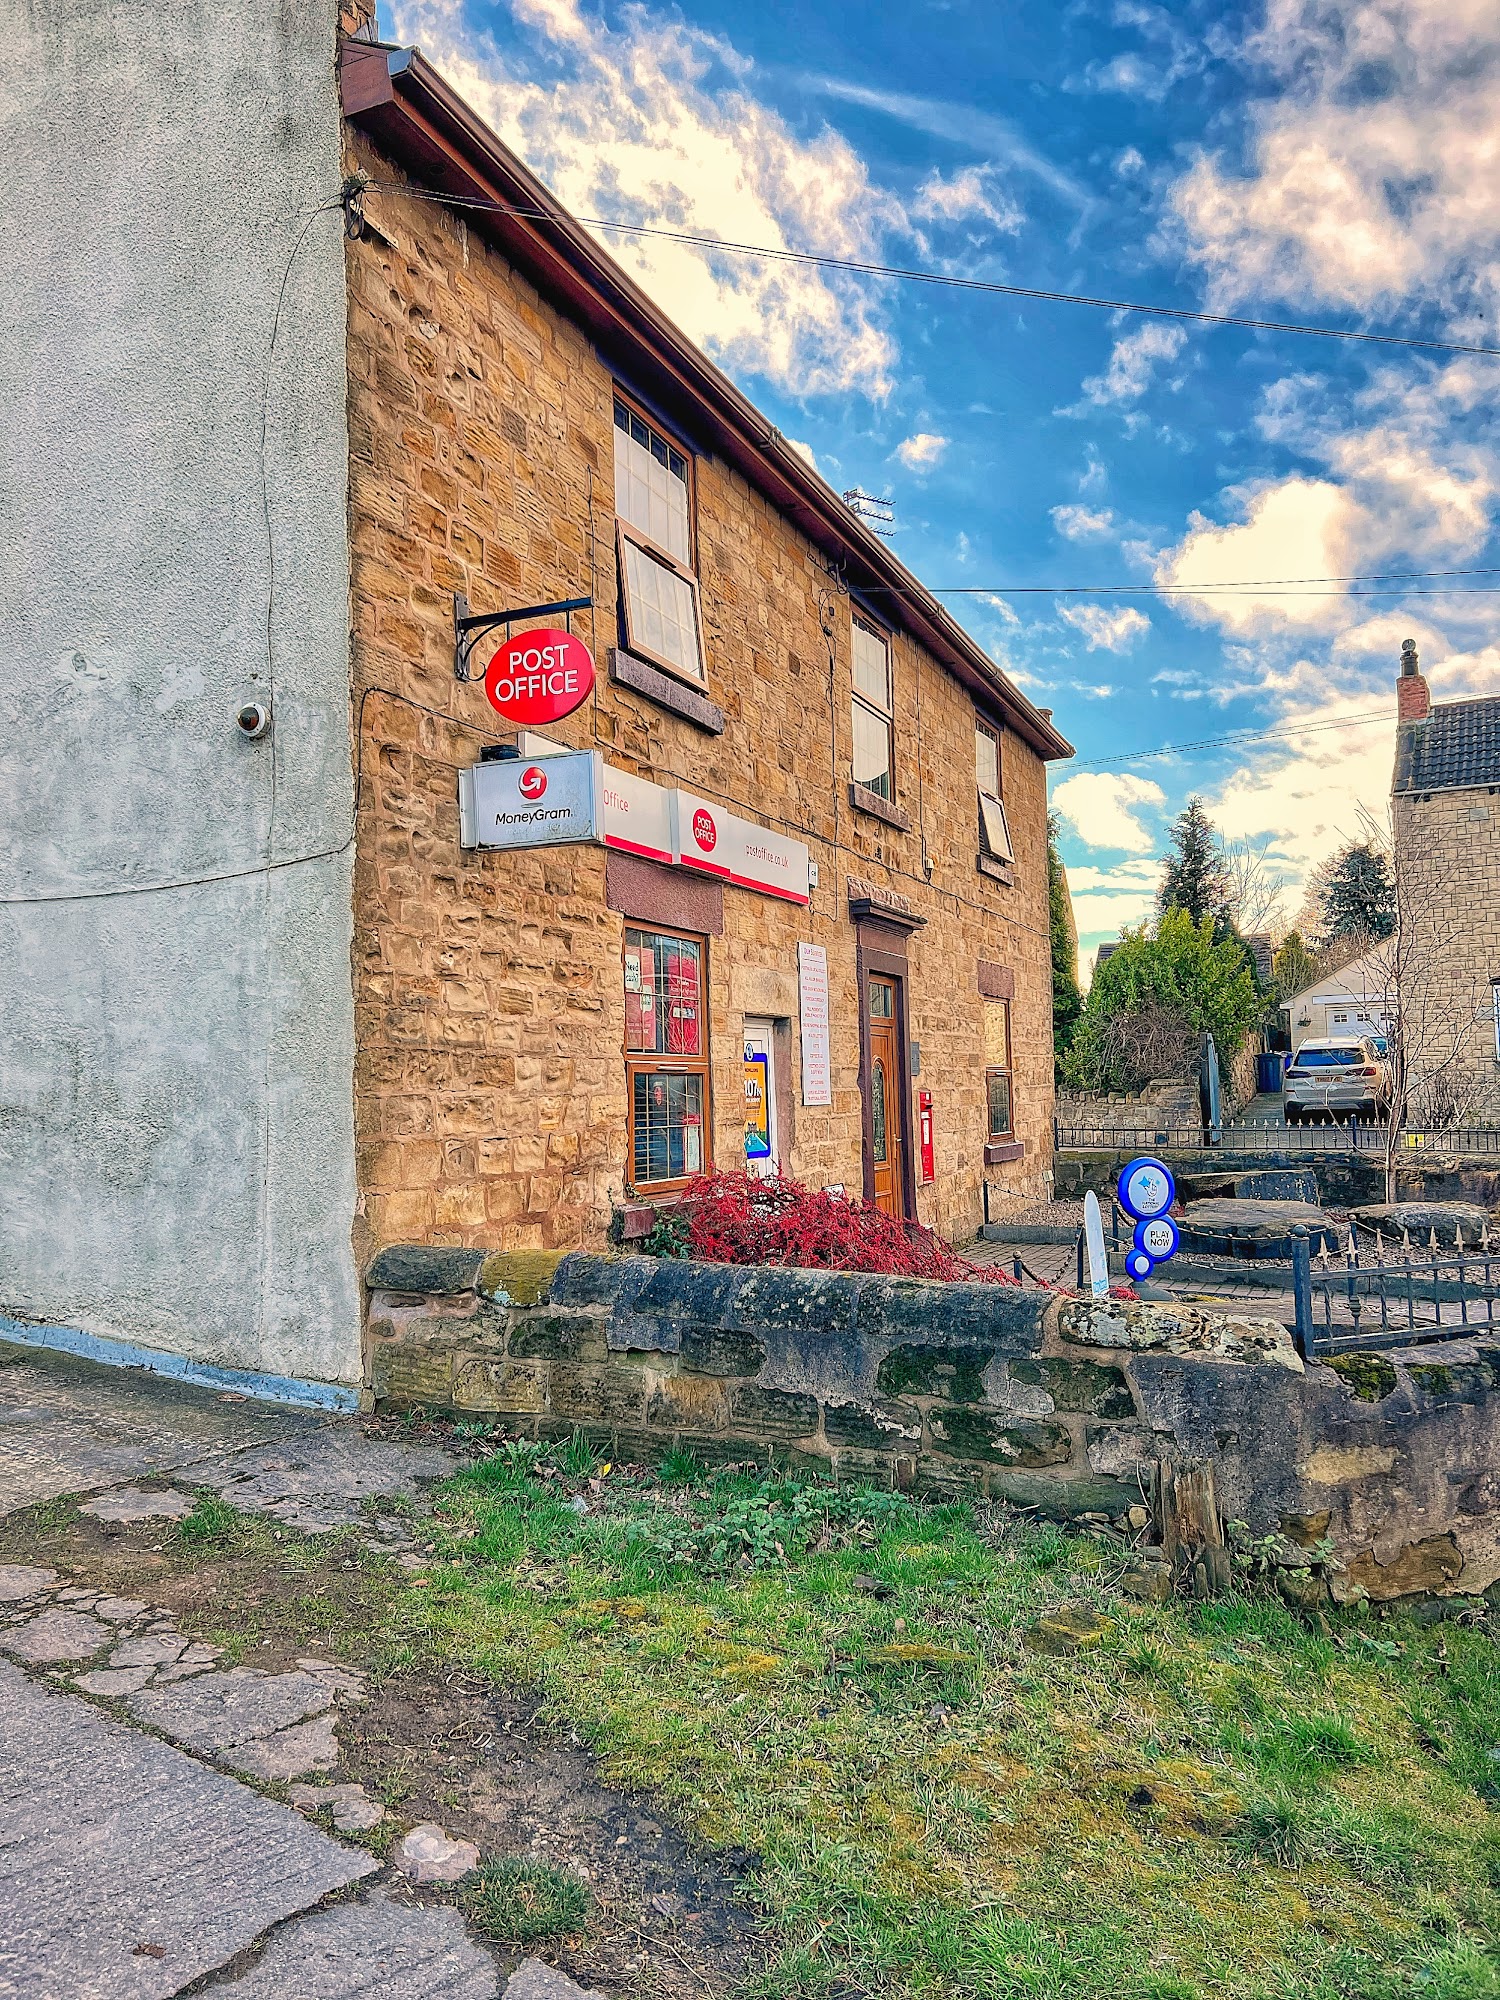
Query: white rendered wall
(176, 1121)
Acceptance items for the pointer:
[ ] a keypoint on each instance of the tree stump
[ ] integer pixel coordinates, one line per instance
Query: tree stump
(1192, 1534)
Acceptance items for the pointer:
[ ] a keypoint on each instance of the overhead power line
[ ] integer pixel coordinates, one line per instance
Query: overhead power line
(867, 268)
(1276, 584)
(1237, 736)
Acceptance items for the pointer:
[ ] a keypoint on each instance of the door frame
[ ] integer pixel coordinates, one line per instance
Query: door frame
(875, 959)
(764, 1027)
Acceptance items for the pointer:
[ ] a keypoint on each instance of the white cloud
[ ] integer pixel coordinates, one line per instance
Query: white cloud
(998, 137)
(1396, 497)
(1133, 362)
(971, 195)
(1174, 55)
(1102, 807)
(1002, 605)
(922, 452)
(805, 451)
(1093, 690)
(1082, 524)
(1293, 528)
(1370, 178)
(1103, 630)
(651, 122)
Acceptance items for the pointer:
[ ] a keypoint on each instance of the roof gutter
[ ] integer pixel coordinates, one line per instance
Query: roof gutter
(418, 118)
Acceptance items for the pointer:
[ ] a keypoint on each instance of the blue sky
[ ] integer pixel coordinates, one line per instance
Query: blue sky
(1320, 160)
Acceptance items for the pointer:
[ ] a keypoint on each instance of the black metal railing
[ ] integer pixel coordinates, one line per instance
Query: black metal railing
(1353, 1135)
(1363, 1300)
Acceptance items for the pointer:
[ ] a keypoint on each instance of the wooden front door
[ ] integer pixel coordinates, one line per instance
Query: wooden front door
(883, 1102)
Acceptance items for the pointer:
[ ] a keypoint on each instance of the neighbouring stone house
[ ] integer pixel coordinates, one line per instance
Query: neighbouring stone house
(266, 1010)
(1445, 810)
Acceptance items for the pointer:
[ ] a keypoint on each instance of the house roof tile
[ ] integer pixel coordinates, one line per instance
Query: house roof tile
(1454, 748)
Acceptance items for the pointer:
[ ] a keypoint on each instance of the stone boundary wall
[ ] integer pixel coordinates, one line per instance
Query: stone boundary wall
(1381, 1477)
(1171, 1101)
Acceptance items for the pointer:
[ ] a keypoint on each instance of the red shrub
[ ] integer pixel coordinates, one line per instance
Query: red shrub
(737, 1219)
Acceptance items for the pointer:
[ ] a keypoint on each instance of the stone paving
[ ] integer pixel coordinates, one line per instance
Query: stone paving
(134, 1863)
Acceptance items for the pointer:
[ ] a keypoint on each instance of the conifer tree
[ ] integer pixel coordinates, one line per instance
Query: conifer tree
(1067, 1001)
(1195, 877)
(1356, 897)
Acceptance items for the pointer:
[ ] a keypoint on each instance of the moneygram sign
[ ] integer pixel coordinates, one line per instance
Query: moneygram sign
(514, 803)
(549, 801)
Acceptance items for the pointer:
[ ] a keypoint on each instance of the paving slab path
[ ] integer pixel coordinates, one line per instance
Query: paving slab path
(133, 1867)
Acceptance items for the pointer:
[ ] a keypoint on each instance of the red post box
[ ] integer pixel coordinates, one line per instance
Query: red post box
(924, 1132)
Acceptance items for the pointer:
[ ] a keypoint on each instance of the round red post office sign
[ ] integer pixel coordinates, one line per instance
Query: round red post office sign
(539, 677)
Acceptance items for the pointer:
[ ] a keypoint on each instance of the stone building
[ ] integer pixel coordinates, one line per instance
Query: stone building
(1445, 809)
(253, 1035)
(545, 1033)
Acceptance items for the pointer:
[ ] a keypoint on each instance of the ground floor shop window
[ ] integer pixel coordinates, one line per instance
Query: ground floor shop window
(666, 1058)
(997, 1071)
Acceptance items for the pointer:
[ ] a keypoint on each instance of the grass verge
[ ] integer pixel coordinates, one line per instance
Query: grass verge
(1214, 1800)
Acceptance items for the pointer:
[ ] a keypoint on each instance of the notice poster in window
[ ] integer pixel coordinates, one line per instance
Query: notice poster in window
(757, 1107)
(640, 1004)
(682, 999)
(692, 1144)
(812, 1009)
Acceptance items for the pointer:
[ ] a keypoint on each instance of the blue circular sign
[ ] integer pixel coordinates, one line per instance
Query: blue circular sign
(1139, 1265)
(1145, 1189)
(1156, 1237)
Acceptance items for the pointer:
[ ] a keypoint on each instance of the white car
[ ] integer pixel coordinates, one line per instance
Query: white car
(1336, 1076)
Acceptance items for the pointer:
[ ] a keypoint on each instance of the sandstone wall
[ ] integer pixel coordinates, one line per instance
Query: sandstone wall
(1448, 873)
(1062, 1405)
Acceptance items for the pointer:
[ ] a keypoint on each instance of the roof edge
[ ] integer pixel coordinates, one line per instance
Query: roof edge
(414, 113)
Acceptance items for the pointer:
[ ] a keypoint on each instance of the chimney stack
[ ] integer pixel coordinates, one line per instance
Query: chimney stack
(1413, 696)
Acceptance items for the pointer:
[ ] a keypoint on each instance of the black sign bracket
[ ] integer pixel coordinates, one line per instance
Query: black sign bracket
(467, 629)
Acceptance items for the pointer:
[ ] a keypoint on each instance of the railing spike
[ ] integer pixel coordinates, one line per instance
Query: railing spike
(1432, 1243)
(1379, 1246)
(1484, 1237)
(1458, 1238)
(1405, 1241)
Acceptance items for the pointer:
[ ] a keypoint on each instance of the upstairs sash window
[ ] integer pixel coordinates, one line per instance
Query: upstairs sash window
(873, 714)
(994, 828)
(653, 508)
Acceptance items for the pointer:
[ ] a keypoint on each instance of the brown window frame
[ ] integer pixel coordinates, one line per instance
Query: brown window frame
(645, 1062)
(858, 700)
(987, 846)
(1006, 1069)
(627, 531)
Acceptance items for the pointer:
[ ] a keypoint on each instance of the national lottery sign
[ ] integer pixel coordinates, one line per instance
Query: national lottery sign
(1146, 1191)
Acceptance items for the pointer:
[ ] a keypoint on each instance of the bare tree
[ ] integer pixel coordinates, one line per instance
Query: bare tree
(1255, 888)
